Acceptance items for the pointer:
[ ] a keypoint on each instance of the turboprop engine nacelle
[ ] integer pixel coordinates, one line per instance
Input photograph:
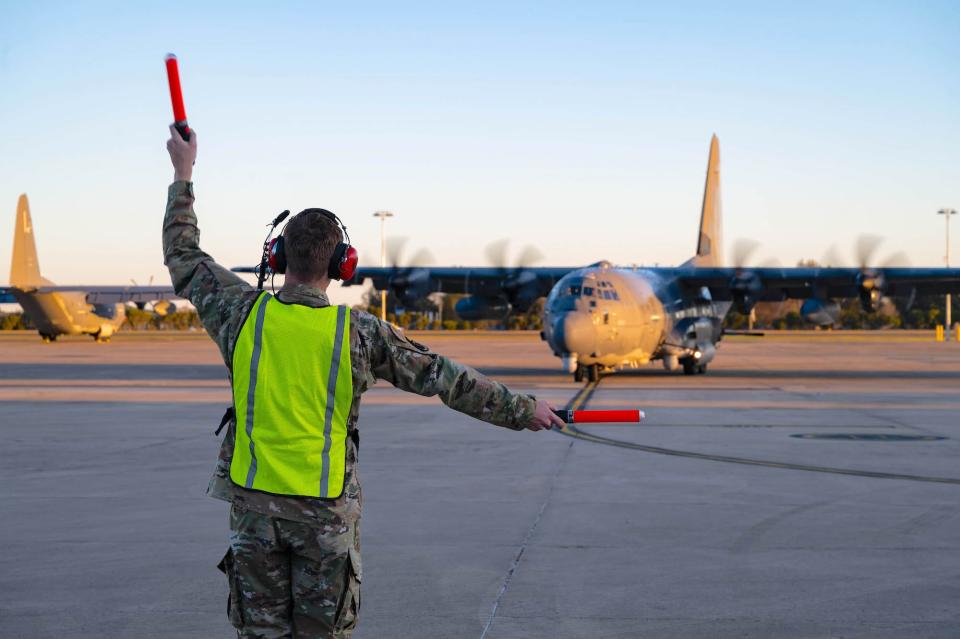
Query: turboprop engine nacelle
(872, 286)
(410, 285)
(746, 289)
(820, 312)
(164, 308)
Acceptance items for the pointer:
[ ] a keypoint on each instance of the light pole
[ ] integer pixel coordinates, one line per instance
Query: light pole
(946, 213)
(383, 215)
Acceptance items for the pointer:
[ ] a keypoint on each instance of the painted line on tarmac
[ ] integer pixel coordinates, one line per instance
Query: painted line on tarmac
(584, 395)
(523, 544)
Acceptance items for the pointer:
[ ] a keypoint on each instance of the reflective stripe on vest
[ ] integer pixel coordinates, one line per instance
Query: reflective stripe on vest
(292, 391)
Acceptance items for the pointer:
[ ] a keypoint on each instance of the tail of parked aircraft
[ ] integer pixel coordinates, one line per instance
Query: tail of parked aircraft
(709, 248)
(24, 267)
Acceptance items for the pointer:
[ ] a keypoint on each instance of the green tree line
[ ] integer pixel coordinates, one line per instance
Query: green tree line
(927, 312)
(136, 320)
(436, 312)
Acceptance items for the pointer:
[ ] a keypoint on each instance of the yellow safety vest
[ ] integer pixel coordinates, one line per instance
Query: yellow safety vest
(292, 392)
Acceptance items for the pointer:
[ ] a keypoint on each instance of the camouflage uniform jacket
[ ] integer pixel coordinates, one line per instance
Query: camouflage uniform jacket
(377, 351)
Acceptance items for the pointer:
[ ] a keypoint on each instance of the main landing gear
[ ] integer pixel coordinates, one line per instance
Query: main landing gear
(590, 371)
(48, 337)
(691, 367)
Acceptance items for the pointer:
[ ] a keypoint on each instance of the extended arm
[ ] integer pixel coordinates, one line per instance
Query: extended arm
(413, 367)
(214, 290)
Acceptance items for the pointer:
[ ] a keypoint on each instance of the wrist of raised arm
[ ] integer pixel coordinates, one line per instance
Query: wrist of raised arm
(180, 187)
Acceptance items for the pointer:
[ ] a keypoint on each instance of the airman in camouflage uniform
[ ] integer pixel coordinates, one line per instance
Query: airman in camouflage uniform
(293, 564)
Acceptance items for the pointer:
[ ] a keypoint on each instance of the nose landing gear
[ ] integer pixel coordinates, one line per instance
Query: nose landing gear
(691, 367)
(590, 371)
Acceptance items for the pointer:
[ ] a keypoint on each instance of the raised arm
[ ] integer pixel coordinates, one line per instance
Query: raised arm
(217, 293)
(415, 368)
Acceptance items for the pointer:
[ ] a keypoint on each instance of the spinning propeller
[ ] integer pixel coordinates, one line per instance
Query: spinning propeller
(871, 282)
(746, 285)
(409, 279)
(518, 282)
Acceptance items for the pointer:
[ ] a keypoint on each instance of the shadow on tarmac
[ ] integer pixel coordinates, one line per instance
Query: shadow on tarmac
(112, 371)
(794, 373)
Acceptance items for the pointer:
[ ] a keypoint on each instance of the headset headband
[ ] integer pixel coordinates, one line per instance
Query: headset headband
(330, 215)
(343, 262)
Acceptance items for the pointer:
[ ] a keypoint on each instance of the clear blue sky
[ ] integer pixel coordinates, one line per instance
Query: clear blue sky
(580, 127)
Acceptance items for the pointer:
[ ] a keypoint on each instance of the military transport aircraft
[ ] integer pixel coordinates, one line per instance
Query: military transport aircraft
(602, 317)
(97, 311)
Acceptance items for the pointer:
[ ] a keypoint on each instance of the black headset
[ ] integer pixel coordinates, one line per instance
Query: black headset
(343, 262)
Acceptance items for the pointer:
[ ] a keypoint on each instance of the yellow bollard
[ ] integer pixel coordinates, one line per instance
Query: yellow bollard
(957, 338)
(939, 336)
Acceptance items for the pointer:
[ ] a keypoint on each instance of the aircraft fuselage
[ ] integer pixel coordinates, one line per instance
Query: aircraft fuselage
(69, 314)
(602, 317)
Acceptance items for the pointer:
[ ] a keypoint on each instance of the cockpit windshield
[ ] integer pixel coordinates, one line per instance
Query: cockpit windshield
(571, 287)
(563, 297)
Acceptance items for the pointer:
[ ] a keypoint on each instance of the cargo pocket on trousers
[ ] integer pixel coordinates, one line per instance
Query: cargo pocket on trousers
(227, 566)
(349, 609)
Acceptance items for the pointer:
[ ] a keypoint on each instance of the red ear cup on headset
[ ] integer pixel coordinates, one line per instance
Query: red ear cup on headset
(277, 257)
(343, 263)
(349, 264)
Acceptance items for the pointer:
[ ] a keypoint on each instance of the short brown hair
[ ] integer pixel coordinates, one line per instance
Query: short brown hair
(309, 241)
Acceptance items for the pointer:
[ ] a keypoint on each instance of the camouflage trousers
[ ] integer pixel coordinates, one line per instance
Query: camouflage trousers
(291, 579)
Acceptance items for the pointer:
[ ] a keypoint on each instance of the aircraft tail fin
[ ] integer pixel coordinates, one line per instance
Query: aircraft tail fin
(709, 247)
(25, 267)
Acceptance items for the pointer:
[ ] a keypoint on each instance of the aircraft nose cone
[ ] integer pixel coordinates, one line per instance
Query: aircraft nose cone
(573, 333)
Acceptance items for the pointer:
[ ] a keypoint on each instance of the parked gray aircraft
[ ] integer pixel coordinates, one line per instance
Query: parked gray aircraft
(97, 311)
(602, 317)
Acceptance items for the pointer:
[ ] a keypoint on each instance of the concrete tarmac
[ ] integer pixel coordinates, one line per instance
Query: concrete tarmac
(726, 514)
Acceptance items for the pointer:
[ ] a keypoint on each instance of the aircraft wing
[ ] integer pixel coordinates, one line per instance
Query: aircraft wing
(775, 284)
(467, 280)
(116, 294)
(416, 282)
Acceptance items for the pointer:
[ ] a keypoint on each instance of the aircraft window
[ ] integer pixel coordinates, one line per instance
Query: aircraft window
(615, 296)
(562, 297)
(606, 295)
(588, 291)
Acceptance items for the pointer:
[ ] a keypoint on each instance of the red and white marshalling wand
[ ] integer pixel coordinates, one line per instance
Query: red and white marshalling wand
(176, 97)
(600, 416)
